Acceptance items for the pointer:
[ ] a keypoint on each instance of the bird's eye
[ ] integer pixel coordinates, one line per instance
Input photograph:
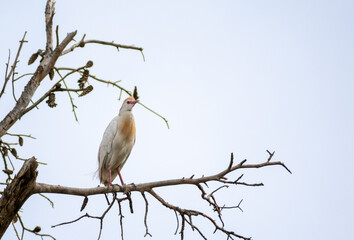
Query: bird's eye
(129, 102)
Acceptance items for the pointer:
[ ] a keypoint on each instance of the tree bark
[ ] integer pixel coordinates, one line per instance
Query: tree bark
(16, 193)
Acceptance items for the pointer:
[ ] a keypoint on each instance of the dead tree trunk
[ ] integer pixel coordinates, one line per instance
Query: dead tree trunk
(16, 193)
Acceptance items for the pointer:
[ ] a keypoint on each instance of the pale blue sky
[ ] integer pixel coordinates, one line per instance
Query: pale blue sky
(230, 76)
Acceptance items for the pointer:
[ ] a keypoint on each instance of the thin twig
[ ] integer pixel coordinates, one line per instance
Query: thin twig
(233, 207)
(75, 220)
(20, 135)
(196, 228)
(48, 199)
(168, 126)
(224, 186)
(13, 87)
(99, 80)
(12, 70)
(122, 89)
(177, 227)
(34, 231)
(90, 216)
(121, 220)
(18, 236)
(82, 43)
(231, 160)
(71, 100)
(241, 183)
(23, 75)
(145, 217)
(7, 68)
(212, 202)
(182, 226)
(190, 213)
(57, 34)
(270, 155)
(41, 99)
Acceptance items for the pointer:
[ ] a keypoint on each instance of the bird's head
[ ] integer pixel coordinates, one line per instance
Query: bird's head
(128, 104)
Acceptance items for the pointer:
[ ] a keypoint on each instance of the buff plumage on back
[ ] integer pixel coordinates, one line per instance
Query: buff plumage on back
(117, 142)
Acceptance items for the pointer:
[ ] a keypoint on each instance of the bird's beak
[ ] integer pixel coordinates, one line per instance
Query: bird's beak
(133, 102)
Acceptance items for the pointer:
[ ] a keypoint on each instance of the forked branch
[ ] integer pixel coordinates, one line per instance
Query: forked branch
(43, 69)
(184, 217)
(221, 176)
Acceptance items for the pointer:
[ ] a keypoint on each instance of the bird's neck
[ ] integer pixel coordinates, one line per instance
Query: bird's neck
(125, 113)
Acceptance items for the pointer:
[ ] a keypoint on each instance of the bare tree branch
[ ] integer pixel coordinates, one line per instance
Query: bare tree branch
(233, 207)
(82, 43)
(121, 219)
(20, 135)
(16, 232)
(270, 155)
(185, 214)
(145, 217)
(47, 188)
(13, 67)
(101, 218)
(49, 59)
(35, 231)
(16, 193)
(43, 69)
(190, 213)
(49, 14)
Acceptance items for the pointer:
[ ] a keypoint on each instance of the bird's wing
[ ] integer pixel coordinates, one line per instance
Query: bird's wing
(123, 141)
(129, 151)
(105, 150)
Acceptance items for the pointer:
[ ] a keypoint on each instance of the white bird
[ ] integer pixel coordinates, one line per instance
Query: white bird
(117, 143)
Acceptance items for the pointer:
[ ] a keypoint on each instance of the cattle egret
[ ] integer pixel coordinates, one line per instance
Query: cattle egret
(117, 143)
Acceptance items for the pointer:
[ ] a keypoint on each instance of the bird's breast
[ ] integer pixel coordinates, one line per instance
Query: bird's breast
(126, 127)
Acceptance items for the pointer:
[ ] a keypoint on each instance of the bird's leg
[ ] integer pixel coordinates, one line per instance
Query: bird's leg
(110, 176)
(120, 176)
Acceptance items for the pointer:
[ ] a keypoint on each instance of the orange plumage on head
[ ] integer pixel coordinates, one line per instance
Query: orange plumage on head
(130, 98)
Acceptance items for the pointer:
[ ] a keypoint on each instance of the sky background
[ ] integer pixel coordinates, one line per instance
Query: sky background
(230, 76)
